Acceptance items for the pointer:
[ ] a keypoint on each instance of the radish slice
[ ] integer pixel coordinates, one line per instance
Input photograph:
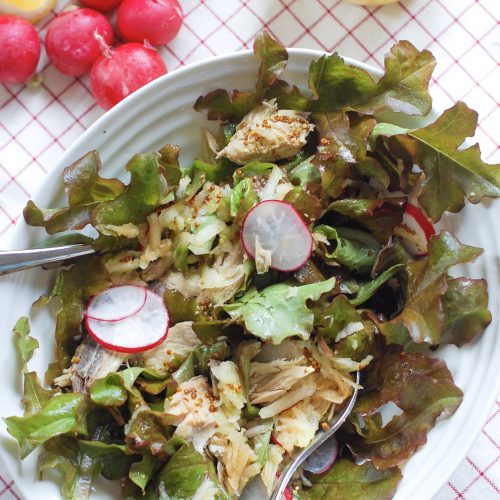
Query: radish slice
(287, 494)
(139, 332)
(275, 441)
(117, 303)
(279, 230)
(323, 458)
(415, 231)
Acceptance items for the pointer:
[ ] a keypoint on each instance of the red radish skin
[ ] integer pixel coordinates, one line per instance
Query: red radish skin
(275, 441)
(137, 333)
(19, 49)
(101, 5)
(415, 231)
(75, 39)
(110, 309)
(157, 21)
(322, 459)
(287, 493)
(123, 70)
(424, 223)
(295, 236)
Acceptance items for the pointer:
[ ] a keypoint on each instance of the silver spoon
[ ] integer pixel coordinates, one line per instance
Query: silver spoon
(318, 440)
(17, 260)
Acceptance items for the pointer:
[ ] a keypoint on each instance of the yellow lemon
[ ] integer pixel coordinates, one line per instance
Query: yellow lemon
(372, 2)
(31, 10)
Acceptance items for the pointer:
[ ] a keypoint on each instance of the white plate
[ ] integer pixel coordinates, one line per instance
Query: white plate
(163, 112)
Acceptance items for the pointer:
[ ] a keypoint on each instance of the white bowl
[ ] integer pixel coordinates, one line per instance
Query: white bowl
(162, 112)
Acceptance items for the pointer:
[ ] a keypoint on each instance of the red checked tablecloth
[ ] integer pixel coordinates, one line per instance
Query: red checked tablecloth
(38, 124)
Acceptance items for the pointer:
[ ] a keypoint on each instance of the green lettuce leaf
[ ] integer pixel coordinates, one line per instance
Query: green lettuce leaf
(35, 396)
(64, 239)
(130, 491)
(169, 164)
(141, 197)
(83, 185)
(361, 344)
(252, 169)
(179, 307)
(423, 319)
(342, 143)
(85, 190)
(155, 383)
(219, 105)
(26, 345)
(452, 173)
(215, 172)
(197, 361)
(371, 168)
(465, 308)
(357, 250)
(403, 88)
(151, 432)
(79, 471)
(309, 273)
(305, 172)
(336, 316)
(333, 317)
(391, 254)
(368, 289)
(349, 481)
(184, 473)
(209, 331)
(245, 352)
(279, 311)
(287, 96)
(181, 254)
(421, 387)
(140, 473)
(308, 205)
(80, 462)
(114, 459)
(379, 216)
(113, 389)
(86, 278)
(62, 413)
(273, 58)
(261, 442)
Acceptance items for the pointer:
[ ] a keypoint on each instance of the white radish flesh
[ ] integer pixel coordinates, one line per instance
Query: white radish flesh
(277, 228)
(117, 303)
(415, 231)
(136, 333)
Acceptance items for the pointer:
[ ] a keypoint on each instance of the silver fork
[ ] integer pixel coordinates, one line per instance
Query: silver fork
(318, 440)
(17, 260)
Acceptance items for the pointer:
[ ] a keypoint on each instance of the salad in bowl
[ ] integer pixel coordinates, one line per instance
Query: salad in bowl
(231, 301)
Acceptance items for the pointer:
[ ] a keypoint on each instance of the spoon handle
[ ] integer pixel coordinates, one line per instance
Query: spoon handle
(17, 260)
(318, 440)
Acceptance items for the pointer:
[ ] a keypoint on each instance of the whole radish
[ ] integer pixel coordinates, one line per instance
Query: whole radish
(122, 70)
(101, 5)
(75, 39)
(19, 49)
(156, 21)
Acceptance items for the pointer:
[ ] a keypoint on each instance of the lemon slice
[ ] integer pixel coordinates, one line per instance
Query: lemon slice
(31, 10)
(371, 2)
